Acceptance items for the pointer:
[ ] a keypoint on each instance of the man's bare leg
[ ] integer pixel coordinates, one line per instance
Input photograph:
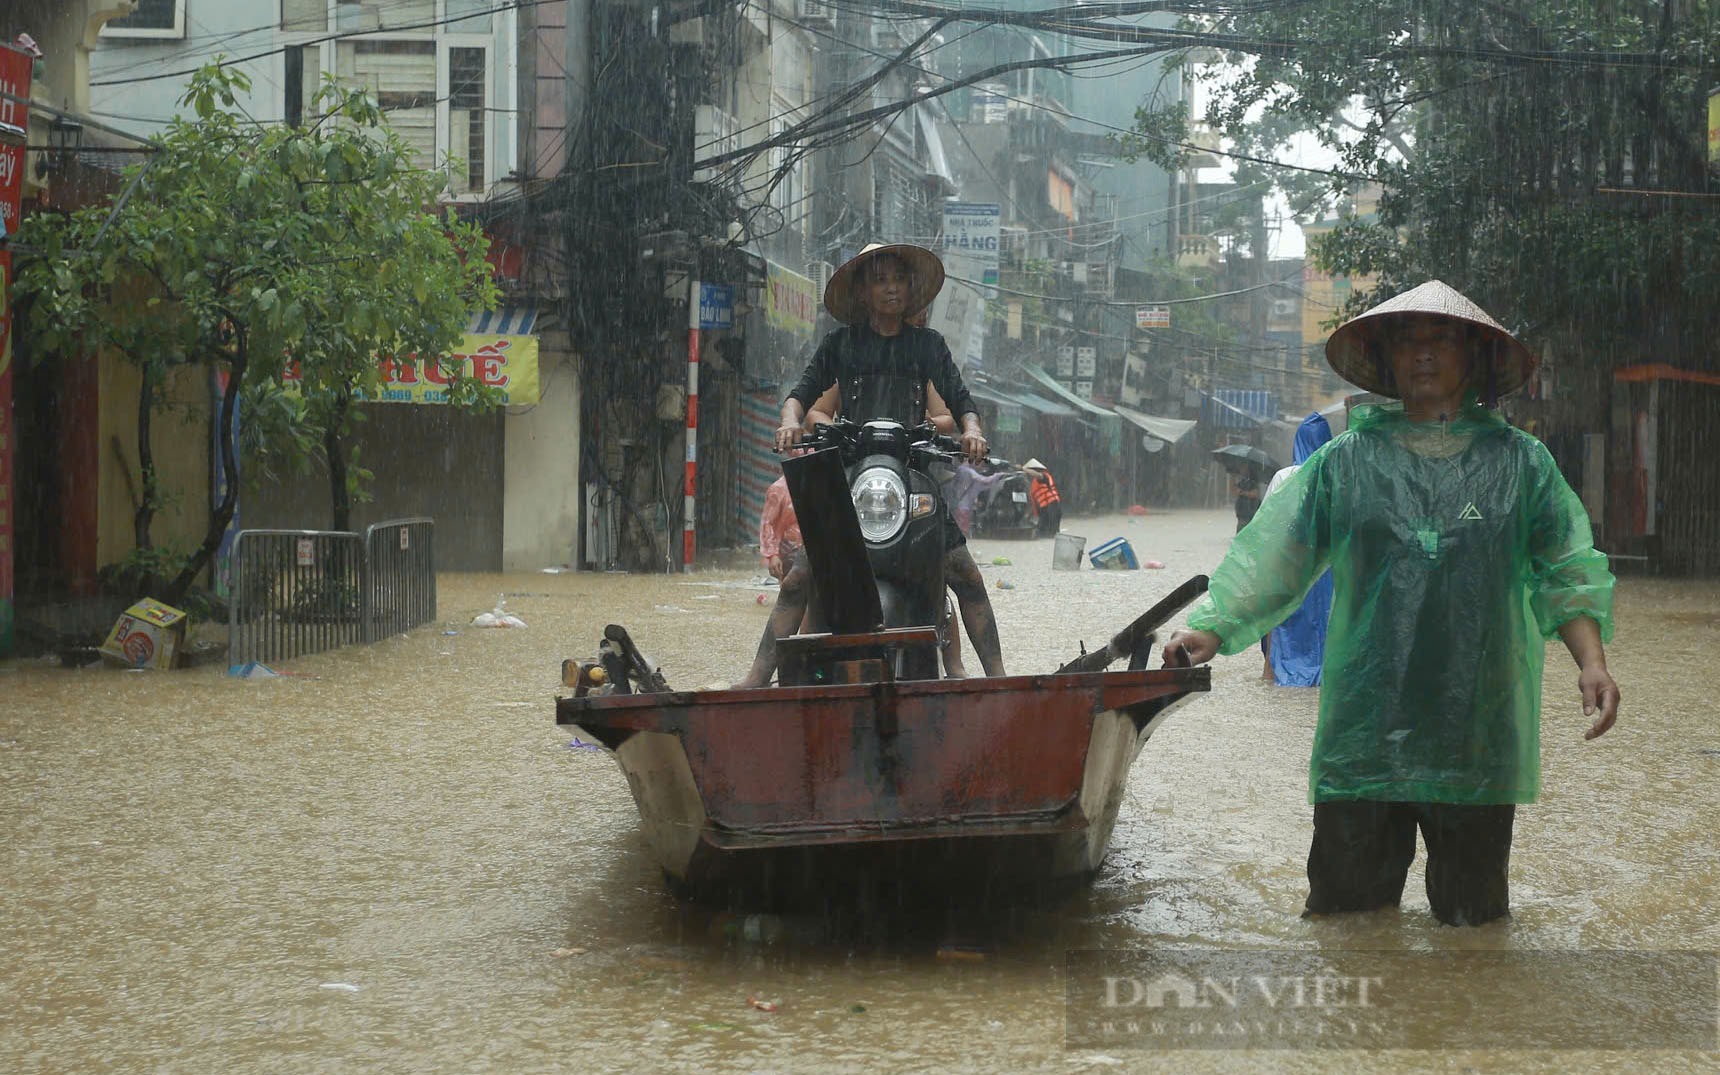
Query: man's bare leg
(784, 620)
(963, 577)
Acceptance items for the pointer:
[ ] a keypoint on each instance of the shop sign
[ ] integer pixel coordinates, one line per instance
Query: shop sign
(16, 67)
(506, 363)
(1714, 129)
(790, 301)
(1152, 317)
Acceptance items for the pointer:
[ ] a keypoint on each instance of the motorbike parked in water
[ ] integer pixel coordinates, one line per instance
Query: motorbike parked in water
(1006, 511)
(902, 520)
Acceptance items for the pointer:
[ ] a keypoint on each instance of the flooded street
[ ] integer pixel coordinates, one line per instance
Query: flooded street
(394, 861)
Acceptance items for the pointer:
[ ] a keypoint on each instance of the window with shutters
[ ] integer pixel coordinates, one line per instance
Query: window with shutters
(152, 20)
(431, 65)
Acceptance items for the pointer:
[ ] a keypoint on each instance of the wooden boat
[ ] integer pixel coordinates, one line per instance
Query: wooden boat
(1006, 785)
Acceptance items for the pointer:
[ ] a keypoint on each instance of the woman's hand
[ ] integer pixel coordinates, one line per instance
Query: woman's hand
(788, 436)
(774, 566)
(1600, 694)
(1190, 648)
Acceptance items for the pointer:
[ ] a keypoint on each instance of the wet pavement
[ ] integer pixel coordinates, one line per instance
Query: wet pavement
(394, 860)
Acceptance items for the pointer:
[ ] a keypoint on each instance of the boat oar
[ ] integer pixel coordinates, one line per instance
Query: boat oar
(1125, 642)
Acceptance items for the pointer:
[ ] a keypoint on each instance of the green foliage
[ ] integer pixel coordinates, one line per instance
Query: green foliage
(1494, 131)
(288, 257)
(142, 572)
(1161, 135)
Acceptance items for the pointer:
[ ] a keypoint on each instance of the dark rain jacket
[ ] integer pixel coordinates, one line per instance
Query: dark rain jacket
(884, 376)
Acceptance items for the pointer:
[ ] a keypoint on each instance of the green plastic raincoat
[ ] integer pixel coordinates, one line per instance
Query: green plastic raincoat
(1455, 550)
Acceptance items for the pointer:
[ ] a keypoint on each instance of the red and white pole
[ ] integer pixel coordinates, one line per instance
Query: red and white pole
(690, 497)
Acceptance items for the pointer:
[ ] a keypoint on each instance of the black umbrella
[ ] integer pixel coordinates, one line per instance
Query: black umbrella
(1245, 460)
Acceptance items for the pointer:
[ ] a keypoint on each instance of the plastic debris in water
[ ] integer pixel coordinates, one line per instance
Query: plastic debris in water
(252, 670)
(498, 616)
(1155, 565)
(579, 744)
(1005, 584)
(1002, 561)
(344, 987)
(762, 1005)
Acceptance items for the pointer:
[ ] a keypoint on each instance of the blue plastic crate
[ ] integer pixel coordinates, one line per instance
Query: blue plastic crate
(1115, 554)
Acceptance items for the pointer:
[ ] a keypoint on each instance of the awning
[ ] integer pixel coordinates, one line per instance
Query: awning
(1226, 415)
(1239, 408)
(1064, 394)
(991, 395)
(937, 163)
(504, 321)
(1169, 430)
(1020, 397)
(1048, 407)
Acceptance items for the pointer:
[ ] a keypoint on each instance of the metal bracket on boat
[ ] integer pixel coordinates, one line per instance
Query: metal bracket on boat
(1135, 641)
(618, 669)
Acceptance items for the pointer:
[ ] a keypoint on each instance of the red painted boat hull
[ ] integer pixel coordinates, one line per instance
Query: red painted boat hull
(1007, 783)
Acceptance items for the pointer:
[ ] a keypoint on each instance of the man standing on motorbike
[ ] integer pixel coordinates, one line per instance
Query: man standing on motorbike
(884, 366)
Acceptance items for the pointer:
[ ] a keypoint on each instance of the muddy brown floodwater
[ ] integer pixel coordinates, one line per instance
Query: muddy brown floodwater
(394, 861)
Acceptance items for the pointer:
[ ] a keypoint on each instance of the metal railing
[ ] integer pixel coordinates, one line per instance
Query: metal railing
(297, 592)
(400, 582)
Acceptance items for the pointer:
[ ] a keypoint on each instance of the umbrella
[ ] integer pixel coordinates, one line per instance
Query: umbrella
(1245, 461)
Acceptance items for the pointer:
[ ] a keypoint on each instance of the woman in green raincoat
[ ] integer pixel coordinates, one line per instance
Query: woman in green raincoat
(1456, 549)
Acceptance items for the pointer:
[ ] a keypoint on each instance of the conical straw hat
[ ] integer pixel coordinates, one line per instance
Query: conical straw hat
(842, 295)
(1354, 353)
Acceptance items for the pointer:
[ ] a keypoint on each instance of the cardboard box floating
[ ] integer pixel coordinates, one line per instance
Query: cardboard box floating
(149, 635)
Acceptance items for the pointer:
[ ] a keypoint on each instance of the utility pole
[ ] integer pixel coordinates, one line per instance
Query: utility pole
(577, 85)
(690, 492)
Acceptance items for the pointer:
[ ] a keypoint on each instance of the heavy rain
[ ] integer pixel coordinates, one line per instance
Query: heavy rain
(420, 420)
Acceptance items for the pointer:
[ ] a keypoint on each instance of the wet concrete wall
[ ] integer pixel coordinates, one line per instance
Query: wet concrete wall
(426, 460)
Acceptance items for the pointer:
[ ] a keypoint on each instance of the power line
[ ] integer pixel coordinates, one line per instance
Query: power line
(1130, 304)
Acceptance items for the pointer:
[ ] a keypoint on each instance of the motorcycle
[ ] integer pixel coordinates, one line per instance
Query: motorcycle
(901, 519)
(1007, 509)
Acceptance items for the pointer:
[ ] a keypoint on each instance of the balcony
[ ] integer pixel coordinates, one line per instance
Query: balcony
(1207, 141)
(1197, 252)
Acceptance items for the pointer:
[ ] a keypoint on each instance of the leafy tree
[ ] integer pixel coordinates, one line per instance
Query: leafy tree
(274, 254)
(1499, 134)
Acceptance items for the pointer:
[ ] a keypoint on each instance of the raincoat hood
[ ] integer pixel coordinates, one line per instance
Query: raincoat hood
(1310, 435)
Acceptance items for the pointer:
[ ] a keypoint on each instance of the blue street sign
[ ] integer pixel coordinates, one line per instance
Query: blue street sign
(716, 306)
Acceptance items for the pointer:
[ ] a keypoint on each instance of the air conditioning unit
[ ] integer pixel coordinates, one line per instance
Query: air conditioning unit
(687, 32)
(814, 13)
(714, 132)
(819, 272)
(1099, 280)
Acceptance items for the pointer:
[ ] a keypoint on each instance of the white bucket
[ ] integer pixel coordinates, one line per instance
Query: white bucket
(1066, 556)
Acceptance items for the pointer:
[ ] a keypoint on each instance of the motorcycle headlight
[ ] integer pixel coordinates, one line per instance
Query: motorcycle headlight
(881, 501)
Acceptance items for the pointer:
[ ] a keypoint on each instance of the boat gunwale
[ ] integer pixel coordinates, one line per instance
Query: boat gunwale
(570, 710)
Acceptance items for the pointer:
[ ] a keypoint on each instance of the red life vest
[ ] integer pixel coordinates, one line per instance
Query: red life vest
(1043, 490)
